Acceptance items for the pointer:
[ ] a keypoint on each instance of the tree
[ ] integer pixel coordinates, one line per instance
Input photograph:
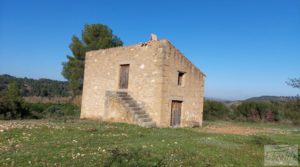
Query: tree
(11, 103)
(94, 36)
(294, 82)
(12, 91)
(215, 110)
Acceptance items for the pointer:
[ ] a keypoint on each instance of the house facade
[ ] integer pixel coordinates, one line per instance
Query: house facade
(151, 84)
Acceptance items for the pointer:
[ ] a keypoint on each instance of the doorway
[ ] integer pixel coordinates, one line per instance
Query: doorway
(124, 76)
(175, 113)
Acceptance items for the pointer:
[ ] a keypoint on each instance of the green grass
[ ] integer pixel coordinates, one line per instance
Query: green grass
(277, 125)
(95, 143)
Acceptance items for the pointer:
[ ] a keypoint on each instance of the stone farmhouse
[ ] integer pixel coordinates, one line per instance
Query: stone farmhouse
(151, 84)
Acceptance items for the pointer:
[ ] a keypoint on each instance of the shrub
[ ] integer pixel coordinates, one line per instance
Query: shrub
(11, 103)
(48, 110)
(215, 110)
(290, 111)
(287, 111)
(258, 111)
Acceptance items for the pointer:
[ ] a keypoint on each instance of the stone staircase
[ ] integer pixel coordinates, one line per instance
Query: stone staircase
(140, 116)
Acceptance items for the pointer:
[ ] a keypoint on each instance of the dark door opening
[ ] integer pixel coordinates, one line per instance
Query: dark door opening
(124, 76)
(175, 113)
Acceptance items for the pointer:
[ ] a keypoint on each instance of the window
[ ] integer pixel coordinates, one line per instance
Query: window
(180, 78)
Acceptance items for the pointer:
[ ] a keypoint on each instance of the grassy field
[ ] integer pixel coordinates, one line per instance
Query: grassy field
(94, 143)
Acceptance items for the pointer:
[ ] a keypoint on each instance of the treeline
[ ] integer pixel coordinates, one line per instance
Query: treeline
(13, 106)
(274, 98)
(267, 111)
(32, 87)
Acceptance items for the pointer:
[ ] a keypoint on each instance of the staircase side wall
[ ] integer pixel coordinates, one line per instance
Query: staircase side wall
(116, 111)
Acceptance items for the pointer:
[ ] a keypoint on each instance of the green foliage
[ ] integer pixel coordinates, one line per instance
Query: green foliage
(290, 111)
(284, 111)
(73, 71)
(294, 82)
(32, 87)
(94, 36)
(258, 111)
(56, 111)
(12, 104)
(12, 91)
(262, 140)
(132, 157)
(215, 110)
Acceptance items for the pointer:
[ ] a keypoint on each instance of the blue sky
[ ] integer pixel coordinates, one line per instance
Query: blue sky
(245, 47)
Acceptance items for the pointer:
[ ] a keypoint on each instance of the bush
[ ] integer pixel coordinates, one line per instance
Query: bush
(257, 111)
(48, 110)
(254, 111)
(290, 111)
(11, 103)
(215, 110)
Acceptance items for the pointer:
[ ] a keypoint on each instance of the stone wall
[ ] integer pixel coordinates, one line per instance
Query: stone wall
(117, 112)
(190, 93)
(102, 74)
(153, 76)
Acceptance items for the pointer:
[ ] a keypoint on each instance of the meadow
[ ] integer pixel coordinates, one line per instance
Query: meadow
(95, 143)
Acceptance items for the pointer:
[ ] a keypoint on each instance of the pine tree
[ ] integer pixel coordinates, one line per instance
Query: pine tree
(94, 37)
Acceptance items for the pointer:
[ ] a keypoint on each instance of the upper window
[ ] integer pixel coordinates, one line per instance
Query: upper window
(180, 78)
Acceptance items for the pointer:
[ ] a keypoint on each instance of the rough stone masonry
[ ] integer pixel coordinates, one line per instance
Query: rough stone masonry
(151, 84)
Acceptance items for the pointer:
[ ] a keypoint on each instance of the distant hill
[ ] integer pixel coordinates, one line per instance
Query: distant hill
(273, 98)
(217, 99)
(36, 87)
(228, 103)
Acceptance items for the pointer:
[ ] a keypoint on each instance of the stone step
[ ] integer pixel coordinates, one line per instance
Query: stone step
(122, 94)
(145, 119)
(126, 98)
(128, 101)
(142, 115)
(136, 108)
(139, 112)
(132, 105)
